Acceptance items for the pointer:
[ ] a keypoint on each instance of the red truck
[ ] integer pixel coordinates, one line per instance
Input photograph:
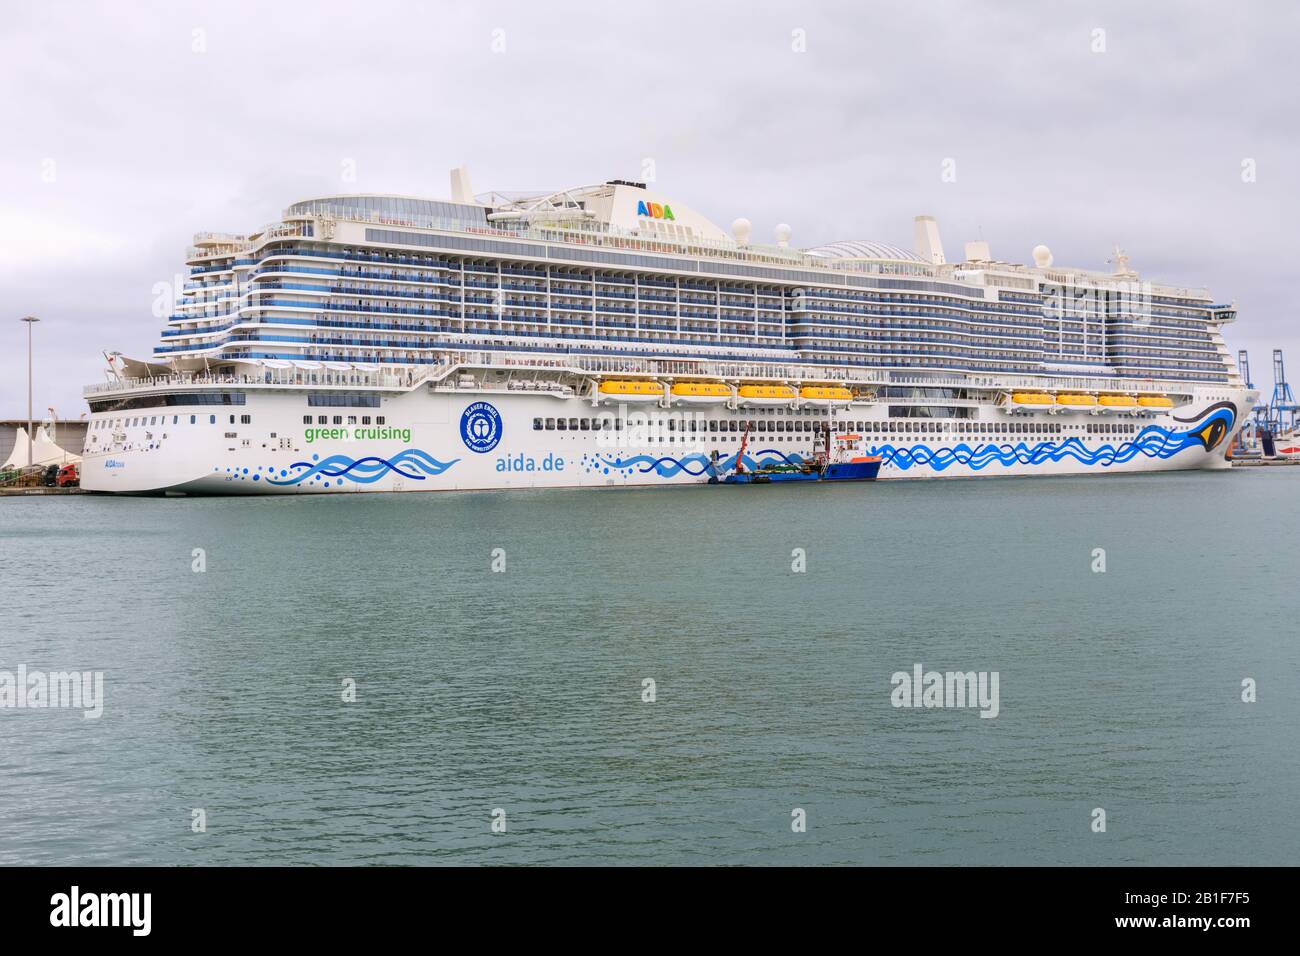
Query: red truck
(68, 477)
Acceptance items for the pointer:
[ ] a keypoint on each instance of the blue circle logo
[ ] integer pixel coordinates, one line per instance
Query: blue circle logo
(480, 427)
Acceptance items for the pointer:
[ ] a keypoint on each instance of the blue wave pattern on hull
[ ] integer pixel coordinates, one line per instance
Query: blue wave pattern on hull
(410, 463)
(1153, 442)
(696, 464)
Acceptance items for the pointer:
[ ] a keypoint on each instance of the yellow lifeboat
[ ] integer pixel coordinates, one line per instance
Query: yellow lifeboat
(1032, 398)
(825, 395)
(1155, 401)
(1118, 401)
(1076, 401)
(701, 393)
(766, 394)
(636, 391)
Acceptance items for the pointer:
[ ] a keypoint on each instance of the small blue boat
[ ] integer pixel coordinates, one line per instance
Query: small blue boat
(848, 463)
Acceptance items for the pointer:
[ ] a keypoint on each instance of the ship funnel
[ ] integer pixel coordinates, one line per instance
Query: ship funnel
(460, 191)
(926, 242)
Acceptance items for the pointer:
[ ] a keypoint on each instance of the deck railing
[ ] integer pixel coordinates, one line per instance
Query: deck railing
(405, 378)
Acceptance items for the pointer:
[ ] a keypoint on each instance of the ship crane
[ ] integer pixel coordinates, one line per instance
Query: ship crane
(740, 455)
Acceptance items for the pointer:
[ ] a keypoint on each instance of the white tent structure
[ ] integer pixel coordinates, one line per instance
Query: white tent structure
(44, 451)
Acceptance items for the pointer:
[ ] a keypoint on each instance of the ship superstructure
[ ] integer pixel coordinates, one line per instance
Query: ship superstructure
(609, 334)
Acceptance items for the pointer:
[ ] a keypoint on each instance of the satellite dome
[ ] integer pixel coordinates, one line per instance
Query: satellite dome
(741, 229)
(1042, 256)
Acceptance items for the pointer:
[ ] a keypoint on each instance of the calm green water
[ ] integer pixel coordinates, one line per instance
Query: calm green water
(522, 690)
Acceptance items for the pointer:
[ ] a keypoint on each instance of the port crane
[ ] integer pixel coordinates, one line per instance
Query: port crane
(1282, 408)
(1258, 420)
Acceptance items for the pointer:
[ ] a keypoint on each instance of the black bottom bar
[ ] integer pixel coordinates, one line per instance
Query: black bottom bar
(336, 906)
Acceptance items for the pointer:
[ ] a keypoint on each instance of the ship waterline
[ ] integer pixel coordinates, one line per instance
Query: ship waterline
(572, 339)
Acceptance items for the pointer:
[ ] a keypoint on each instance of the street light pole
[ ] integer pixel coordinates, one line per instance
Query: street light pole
(31, 438)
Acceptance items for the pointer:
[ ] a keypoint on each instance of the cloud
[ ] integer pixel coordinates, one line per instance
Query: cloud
(167, 119)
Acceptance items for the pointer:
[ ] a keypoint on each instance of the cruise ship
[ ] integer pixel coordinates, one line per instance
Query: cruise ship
(609, 334)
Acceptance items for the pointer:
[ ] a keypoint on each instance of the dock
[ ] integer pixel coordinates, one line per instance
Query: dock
(39, 490)
(1261, 462)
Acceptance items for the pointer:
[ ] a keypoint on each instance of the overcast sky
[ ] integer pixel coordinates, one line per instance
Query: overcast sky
(128, 127)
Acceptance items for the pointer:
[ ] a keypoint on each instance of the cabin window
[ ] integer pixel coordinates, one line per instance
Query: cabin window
(306, 419)
(550, 424)
(537, 424)
(561, 425)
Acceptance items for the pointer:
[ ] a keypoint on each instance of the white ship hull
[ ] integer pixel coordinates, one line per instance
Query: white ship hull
(472, 439)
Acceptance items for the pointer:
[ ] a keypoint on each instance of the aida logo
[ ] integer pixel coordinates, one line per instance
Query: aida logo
(654, 210)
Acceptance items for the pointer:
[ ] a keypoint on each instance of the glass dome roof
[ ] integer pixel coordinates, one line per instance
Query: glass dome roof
(863, 249)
